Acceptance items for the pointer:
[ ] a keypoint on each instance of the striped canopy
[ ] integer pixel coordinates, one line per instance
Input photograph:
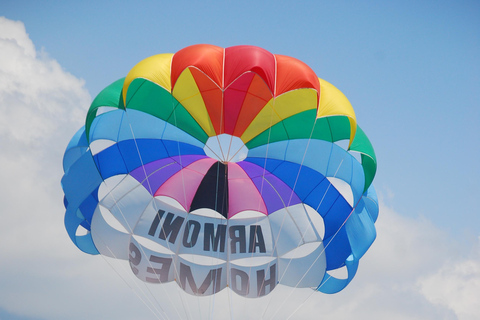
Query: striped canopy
(233, 148)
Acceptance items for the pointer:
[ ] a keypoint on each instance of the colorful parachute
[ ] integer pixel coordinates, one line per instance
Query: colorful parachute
(221, 168)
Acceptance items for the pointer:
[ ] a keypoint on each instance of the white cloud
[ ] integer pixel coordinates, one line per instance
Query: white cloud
(39, 101)
(385, 287)
(41, 107)
(407, 274)
(456, 286)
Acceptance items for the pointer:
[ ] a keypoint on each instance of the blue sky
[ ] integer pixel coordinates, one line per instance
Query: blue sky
(410, 70)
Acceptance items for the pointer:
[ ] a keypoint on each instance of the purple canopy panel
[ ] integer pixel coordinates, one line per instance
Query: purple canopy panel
(161, 170)
(242, 193)
(275, 193)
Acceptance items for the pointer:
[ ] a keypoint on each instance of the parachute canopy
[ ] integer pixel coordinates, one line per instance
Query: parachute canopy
(221, 168)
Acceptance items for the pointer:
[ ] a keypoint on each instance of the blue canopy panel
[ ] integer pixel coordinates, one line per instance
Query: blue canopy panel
(80, 184)
(371, 202)
(309, 185)
(360, 226)
(125, 156)
(75, 149)
(332, 285)
(105, 125)
(119, 125)
(361, 233)
(316, 191)
(325, 157)
(87, 208)
(337, 249)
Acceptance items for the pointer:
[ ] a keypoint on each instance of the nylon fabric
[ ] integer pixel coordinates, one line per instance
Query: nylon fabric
(156, 69)
(188, 94)
(223, 168)
(108, 97)
(333, 103)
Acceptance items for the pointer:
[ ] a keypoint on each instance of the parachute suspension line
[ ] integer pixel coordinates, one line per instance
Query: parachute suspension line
(302, 234)
(146, 296)
(284, 205)
(156, 209)
(263, 180)
(225, 202)
(275, 243)
(131, 232)
(159, 315)
(326, 246)
(211, 305)
(223, 155)
(228, 220)
(111, 252)
(155, 312)
(262, 185)
(229, 293)
(329, 276)
(229, 284)
(154, 204)
(230, 148)
(283, 198)
(184, 305)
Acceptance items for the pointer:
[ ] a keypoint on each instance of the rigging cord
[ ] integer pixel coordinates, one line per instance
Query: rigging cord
(263, 180)
(155, 303)
(159, 315)
(156, 312)
(156, 209)
(284, 205)
(175, 255)
(131, 230)
(135, 280)
(212, 298)
(323, 250)
(325, 247)
(329, 276)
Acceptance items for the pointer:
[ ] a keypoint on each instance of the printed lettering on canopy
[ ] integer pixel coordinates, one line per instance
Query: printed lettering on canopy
(219, 168)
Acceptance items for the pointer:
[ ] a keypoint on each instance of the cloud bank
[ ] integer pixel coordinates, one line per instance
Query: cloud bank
(413, 270)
